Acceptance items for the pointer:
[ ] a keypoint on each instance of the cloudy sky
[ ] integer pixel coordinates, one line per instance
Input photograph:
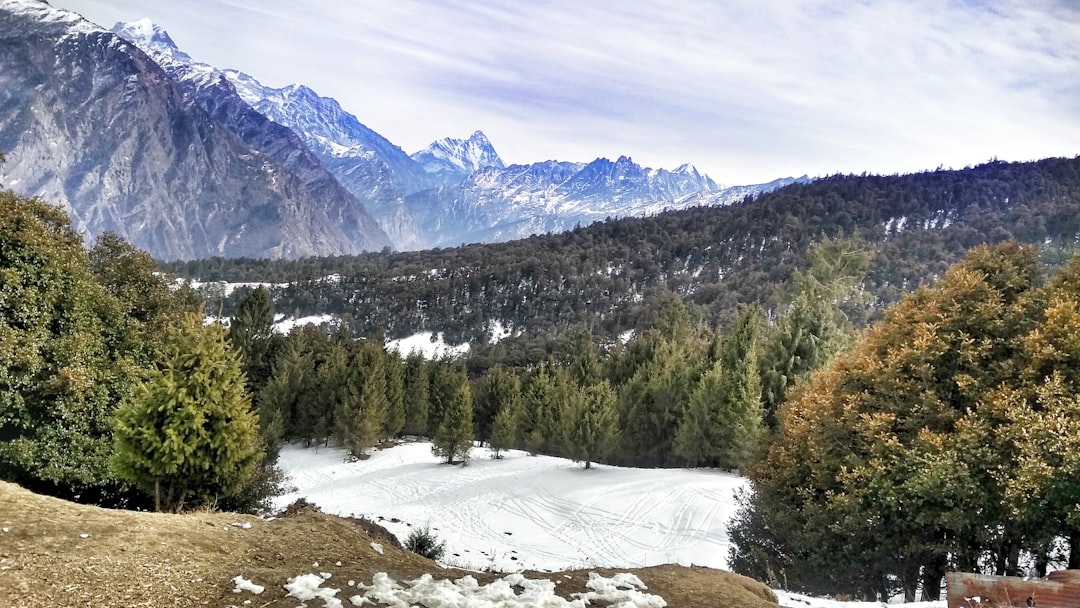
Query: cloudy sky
(747, 90)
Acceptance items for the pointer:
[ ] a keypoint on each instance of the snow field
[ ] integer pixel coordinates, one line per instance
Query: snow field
(526, 512)
(530, 512)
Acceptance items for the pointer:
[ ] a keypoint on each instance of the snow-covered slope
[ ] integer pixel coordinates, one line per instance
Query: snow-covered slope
(376, 171)
(527, 512)
(343, 220)
(90, 123)
(535, 512)
(454, 159)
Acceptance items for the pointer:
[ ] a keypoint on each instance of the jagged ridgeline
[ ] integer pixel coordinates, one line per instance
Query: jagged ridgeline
(608, 277)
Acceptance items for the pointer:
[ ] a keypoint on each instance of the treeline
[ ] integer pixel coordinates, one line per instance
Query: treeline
(609, 277)
(679, 393)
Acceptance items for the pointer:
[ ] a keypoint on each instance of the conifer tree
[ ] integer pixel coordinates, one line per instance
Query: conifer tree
(585, 368)
(278, 400)
(417, 385)
(395, 395)
(493, 393)
(453, 440)
(189, 432)
(539, 398)
(445, 377)
(695, 438)
(592, 428)
(504, 431)
(251, 332)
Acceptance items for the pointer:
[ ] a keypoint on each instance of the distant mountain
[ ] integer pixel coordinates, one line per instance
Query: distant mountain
(376, 171)
(493, 205)
(216, 95)
(454, 159)
(132, 135)
(91, 123)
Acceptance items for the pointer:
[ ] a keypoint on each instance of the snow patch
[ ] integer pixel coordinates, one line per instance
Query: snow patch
(243, 584)
(428, 344)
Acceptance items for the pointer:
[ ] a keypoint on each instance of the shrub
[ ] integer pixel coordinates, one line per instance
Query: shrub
(424, 542)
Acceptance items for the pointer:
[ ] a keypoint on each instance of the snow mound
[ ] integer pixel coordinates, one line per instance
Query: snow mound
(513, 591)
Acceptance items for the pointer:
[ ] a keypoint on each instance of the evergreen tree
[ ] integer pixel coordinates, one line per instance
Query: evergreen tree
(592, 428)
(278, 401)
(68, 355)
(738, 421)
(815, 327)
(585, 367)
(395, 395)
(695, 440)
(539, 398)
(251, 331)
(189, 431)
(445, 377)
(493, 393)
(416, 401)
(453, 440)
(504, 431)
(933, 445)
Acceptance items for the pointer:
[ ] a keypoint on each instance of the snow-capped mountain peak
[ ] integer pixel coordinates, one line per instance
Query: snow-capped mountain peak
(150, 37)
(459, 156)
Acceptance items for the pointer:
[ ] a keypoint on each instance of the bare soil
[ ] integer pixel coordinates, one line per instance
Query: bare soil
(58, 553)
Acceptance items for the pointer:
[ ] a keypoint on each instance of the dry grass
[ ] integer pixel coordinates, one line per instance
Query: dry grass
(150, 559)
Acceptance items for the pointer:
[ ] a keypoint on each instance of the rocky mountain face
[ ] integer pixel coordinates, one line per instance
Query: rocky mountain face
(376, 171)
(215, 94)
(130, 134)
(91, 123)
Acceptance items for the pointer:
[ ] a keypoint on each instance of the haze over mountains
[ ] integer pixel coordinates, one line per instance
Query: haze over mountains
(131, 135)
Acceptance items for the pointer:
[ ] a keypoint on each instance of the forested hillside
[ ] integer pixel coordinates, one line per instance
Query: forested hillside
(608, 277)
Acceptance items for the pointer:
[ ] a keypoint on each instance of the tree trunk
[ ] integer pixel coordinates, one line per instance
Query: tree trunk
(1042, 562)
(933, 572)
(1074, 550)
(157, 495)
(180, 501)
(588, 464)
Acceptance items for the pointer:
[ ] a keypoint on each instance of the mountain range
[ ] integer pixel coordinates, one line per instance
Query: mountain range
(130, 135)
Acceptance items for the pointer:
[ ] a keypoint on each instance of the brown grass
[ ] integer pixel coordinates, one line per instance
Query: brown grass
(152, 559)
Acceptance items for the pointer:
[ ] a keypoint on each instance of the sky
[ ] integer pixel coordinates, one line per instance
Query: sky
(745, 90)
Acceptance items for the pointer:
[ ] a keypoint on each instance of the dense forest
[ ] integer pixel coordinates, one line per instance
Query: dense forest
(609, 277)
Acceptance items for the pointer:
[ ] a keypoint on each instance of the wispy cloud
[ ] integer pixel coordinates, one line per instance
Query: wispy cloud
(746, 90)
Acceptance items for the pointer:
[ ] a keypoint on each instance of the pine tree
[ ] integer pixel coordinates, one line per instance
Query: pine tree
(395, 395)
(189, 431)
(453, 440)
(417, 385)
(251, 331)
(694, 439)
(585, 368)
(493, 392)
(591, 430)
(504, 431)
(539, 396)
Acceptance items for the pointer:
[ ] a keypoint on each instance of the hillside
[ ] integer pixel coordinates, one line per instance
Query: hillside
(146, 559)
(608, 277)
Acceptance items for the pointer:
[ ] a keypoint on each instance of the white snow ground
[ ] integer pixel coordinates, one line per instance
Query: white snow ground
(534, 512)
(428, 344)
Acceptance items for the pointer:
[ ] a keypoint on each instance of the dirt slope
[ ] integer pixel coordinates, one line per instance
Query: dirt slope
(150, 559)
